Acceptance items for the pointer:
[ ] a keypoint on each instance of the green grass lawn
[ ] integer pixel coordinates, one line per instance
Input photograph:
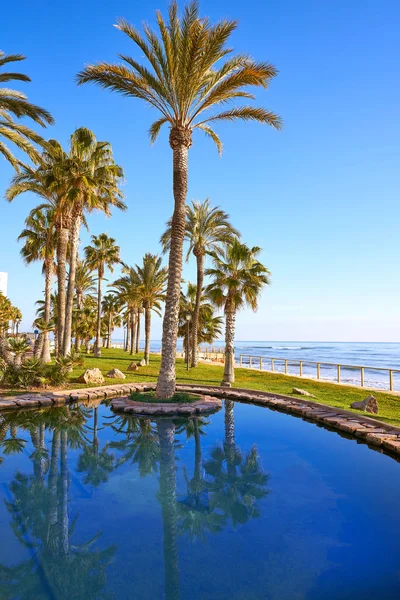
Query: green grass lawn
(339, 396)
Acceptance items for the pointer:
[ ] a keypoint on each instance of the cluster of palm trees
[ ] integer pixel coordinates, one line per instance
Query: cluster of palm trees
(9, 314)
(190, 77)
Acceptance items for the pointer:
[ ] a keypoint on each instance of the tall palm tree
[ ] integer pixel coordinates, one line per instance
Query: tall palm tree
(37, 180)
(238, 279)
(101, 254)
(151, 278)
(207, 229)
(90, 180)
(39, 235)
(15, 105)
(185, 77)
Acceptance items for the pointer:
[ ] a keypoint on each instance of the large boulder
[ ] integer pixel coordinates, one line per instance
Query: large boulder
(132, 367)
(370, 404)
(91, 376)
(116, 374)
(302, 392)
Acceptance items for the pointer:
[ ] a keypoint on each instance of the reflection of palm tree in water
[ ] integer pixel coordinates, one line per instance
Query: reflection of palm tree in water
(138, 443)
(57, 569)
(97, 465)
(237, 482)
(167, 497)
(195, 515)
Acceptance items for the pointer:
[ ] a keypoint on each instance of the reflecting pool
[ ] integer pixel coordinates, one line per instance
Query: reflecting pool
(246, 504)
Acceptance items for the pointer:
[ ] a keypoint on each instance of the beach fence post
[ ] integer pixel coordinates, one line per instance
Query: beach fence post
(318, 370)
(286, 366)
(260, 363)
(338, 373)
(301, 368)
(250, 362)
(362, 376)
(241, 360)
(272, 364)
(391, 380)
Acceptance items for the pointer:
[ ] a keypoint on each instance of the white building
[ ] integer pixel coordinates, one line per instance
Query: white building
(3, 283)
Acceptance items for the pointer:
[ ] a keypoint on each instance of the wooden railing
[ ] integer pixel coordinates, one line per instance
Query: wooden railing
(261, 360)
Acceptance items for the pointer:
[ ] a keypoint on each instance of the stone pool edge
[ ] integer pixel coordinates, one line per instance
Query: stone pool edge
(376, 434)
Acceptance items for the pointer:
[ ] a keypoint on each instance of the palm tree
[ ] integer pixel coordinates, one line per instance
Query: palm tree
(6, 309)
(19, 346)
(38, 180)
(103, 253)
(127, 291)
(52, 325)
(210, 326)
(151, 278)
(16, 318)
(14, 104)
(84, 282)
(111, 308)
(238, 278)
(207, 229)
(39, 235)
(84, 285)
(186, 77)
(90, 179)
(85, 323)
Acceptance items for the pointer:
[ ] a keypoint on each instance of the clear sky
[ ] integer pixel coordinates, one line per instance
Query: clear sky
(321, 197)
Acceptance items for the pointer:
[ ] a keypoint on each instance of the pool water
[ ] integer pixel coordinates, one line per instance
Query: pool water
(246, 504)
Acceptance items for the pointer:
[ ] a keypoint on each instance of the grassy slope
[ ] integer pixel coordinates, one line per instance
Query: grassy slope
(326, 393)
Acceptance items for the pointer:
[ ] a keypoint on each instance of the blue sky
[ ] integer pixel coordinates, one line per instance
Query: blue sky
(321, 197)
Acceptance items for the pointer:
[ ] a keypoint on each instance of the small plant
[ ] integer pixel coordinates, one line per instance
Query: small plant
(27, 375)
(177, 398)
(19, 347)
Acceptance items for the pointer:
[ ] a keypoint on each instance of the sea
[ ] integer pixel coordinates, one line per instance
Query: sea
(371, 355)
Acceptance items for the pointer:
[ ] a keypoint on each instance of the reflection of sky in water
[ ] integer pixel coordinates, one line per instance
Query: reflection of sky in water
(308, 515)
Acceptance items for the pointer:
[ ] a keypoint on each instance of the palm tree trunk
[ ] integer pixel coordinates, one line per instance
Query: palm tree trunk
(48, 267)
(229, 367)
(109, 332)
(147, 327)
(198, 458)
(52, 483)
(196, 311)
(97, 344)
(74, 242)
(5, 354)
(128, 331)
(79, 301)
(166, 435)
(180, 142)
(229, 441)
(56, 341)
(138, 333)
(62, 244)
(38, 346)
(64, 521)
(133, 331)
